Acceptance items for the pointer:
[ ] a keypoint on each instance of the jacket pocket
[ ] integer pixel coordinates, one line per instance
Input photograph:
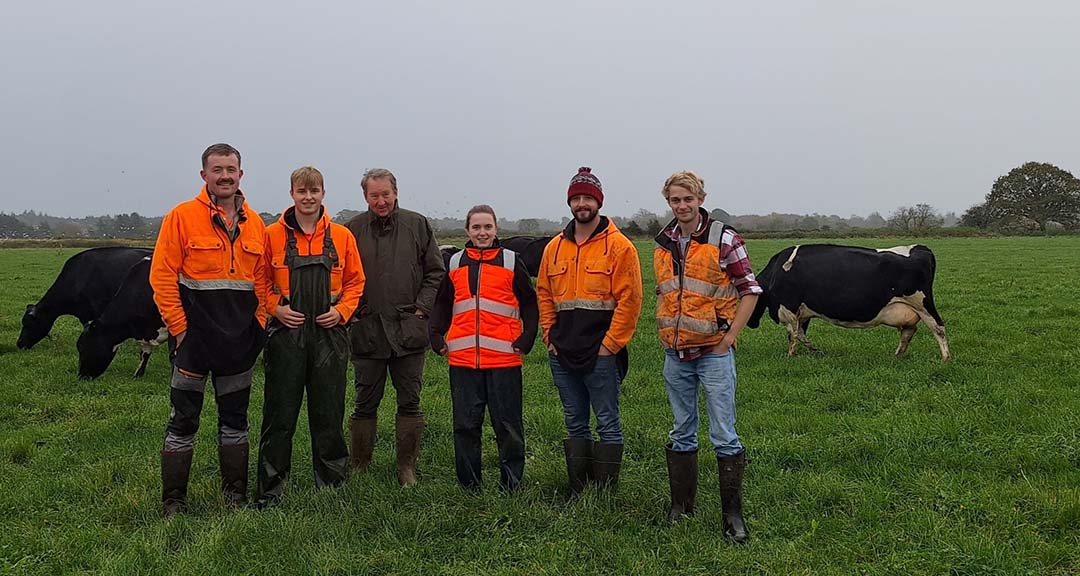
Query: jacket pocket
(251, 251)
(414, 331)
(559, 278)
(362, 334)
(597, 277)
(205, 255)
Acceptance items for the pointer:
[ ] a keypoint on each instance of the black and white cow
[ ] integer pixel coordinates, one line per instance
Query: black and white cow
(131, 314)
(83, 289)
(852, 287)
(529, 248)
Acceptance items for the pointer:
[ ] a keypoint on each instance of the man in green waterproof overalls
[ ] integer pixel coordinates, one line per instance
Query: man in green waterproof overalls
(316, 282)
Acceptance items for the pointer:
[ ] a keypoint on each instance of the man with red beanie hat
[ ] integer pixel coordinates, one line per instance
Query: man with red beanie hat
(589, 293)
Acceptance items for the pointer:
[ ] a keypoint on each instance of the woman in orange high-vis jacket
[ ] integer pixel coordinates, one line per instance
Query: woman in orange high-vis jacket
(316, 281)
(485, 319)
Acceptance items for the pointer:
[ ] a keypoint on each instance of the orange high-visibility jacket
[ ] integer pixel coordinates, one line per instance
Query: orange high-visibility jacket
(346, 278)
(492, 309)
(696, 299)
(222, 278)
(589, 294)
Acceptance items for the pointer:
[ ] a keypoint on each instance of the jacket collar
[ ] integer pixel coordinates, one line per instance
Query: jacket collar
(604, 227)
(241, 203)
(288, 219)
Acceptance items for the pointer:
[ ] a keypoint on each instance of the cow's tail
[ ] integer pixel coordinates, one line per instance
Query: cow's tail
(928, 301)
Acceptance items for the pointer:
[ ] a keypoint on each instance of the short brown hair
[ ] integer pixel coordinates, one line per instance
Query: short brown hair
(378, 174)
(220, 149)
(306, 176)
(686, 179)
(480, 209)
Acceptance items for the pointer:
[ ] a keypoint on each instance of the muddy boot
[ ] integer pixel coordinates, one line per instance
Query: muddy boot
(682, 470)
(175, 468)
(409, 430)
(233, 460)
(607, 460)
(731, 473)
(578, 463)
(362, 439)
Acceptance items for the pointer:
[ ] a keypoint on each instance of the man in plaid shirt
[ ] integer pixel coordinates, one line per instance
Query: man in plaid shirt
(706, 291)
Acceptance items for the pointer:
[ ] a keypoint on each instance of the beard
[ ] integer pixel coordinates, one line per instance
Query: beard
(585, 216)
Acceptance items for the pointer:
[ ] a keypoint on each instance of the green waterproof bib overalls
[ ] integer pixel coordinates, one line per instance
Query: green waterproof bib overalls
(308, 357)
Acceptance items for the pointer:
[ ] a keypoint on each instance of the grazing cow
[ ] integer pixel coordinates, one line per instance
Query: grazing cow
(529, 248)
(83, 289)
(131, 314)
(851, 287)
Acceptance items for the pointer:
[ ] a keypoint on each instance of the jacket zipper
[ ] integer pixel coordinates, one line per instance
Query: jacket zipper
(479, 269)
(680, 262)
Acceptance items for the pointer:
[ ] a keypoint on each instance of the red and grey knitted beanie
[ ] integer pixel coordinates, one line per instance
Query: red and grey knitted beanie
(584, 182)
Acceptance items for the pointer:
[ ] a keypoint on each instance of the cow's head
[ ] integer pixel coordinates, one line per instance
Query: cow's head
(96, 351)
(34, 327)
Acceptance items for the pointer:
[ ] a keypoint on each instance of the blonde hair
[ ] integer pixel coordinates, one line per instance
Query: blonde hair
(480, 209)
(685, 179)
(306, 177)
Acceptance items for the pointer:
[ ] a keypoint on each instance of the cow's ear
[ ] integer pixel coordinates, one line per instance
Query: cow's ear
(31, 309)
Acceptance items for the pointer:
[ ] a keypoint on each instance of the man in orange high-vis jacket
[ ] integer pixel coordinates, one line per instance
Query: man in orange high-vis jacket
(485, 319)
(316, 280)
(705, 291)
(209, 281)
(589, 294)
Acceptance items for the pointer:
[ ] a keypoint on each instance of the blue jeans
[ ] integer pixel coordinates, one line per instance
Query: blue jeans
(716, 374)
(598, 389)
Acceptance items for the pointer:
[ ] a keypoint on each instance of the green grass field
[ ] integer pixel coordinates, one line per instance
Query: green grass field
(862, 462)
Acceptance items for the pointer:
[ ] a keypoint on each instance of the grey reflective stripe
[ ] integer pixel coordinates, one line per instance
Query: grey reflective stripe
(582, 304)
(485, 342)
(707, 289)
(668, 286)
(455, 260)
(716, 232)
(487, 306)
(692, 324)
(227, 384)
(227, 436)
(509, 258)
(223, 284)
(181, 381)
(177, 443)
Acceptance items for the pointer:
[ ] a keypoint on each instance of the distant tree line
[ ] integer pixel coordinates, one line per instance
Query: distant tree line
(1032, 198)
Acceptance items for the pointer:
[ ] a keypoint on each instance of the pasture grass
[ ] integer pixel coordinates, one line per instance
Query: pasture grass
(862, 463)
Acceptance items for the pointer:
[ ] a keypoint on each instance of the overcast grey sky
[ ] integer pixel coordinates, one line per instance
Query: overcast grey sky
(842, 107)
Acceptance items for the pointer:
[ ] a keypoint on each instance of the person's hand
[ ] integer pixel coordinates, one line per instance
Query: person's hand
(180, 338)
(442, 351)
(518, 351)
(328, 319)
(551, 348)
(289, 317)
(723, 347)
(605, 352)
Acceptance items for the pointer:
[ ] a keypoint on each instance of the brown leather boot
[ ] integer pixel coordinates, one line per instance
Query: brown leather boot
(233, 460)
(362, 437)
(409, 430)
(175, 469)
(731, 473)
(682, 477)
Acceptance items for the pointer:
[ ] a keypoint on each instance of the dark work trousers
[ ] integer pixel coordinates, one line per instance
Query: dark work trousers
(187, 405)
(405, 374)
(308, 358)
(500, 390)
